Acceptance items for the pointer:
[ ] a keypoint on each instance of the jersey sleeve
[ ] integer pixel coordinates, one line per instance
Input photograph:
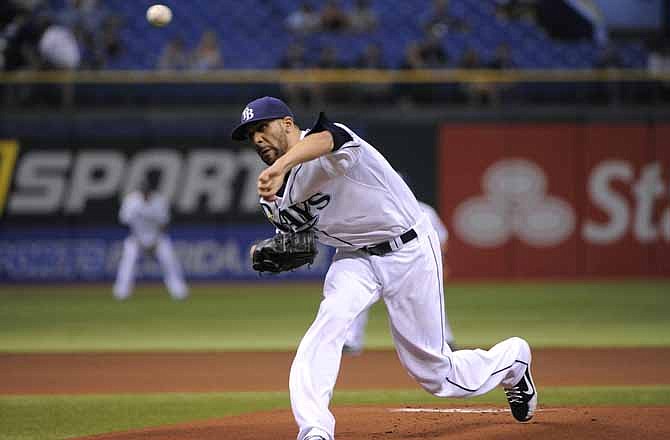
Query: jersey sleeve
(346, 146)
(341, 136)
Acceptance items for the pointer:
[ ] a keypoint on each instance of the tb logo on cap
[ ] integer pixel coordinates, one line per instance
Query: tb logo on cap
(247, 114)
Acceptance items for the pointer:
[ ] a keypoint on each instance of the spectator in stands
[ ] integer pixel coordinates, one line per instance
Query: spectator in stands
(363, 18)
(502, 58)
(470, 60)
(610, 92)
(481, 92)
(22, 35)
(304, 20)
(96, 29)
(510, 10)
(409, 94)
(442, 21)
(294, 58)
(474, 93)
(207, 55)
(609, 58)
(412, 58)
(58, 48)
(299, 93)
(492, 93)
(108, 43)
(333, 17)
(372, 58)
(432, 50)
(83, 16)
(174, 56)
(329, 59)
(9, 11)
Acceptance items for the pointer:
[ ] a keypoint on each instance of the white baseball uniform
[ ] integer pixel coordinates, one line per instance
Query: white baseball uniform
(436, 221)
(354, 200)
(356, 335)
(147, 219)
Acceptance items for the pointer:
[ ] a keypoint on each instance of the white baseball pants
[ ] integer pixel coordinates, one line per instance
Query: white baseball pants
(409, 280)
(355, 339)
(165, 254)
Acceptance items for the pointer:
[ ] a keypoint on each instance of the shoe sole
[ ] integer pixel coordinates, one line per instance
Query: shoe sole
(532, 403)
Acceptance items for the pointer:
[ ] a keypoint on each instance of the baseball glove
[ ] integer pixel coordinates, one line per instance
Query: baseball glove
(284, 252)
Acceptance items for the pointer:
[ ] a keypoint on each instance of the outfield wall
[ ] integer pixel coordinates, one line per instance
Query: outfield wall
(62, 177)
(206, 253)
(523, 195)
(556, 199)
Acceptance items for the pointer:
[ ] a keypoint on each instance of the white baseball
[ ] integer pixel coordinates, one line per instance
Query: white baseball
(159, 15)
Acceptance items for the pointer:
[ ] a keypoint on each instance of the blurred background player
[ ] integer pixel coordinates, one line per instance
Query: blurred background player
(146, 213)
(356, 334)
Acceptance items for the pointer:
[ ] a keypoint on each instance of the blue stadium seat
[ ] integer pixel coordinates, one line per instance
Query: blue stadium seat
(252, 33)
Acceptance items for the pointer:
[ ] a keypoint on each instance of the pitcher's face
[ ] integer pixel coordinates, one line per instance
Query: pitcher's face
(270, 139)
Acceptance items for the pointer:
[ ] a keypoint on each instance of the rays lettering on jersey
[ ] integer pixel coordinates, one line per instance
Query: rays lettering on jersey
(298, 217)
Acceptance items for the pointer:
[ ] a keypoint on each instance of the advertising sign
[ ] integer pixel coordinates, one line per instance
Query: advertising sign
(85, 185)
(92, 254)
(556, 200)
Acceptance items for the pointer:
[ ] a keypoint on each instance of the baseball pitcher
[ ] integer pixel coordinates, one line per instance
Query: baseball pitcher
(332, 184)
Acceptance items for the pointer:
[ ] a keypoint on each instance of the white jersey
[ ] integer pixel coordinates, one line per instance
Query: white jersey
(351, 197)
(146, 218)
(436, 221)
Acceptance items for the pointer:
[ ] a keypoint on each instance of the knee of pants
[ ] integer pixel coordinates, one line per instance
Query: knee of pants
(298, 376)
(433, 387)
(428, 380)
(522, 346)
(335, 320)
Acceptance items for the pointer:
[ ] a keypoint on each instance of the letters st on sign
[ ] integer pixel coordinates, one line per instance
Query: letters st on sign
(556, 199)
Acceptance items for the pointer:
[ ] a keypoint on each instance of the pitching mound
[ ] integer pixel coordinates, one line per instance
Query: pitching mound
(447, 423)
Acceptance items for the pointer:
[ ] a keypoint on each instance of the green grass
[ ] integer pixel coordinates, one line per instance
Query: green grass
(274, 316)
(57, 417)
(621, 313)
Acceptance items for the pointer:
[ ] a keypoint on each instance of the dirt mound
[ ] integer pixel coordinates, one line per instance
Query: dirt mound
(438, 423)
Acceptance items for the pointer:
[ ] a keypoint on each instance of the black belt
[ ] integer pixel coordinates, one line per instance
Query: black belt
(384, 248)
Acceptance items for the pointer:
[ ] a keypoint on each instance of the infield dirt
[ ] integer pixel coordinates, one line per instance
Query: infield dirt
(79, 373)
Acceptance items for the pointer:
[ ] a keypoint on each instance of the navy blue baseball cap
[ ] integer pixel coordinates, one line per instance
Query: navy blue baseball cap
(261, 109)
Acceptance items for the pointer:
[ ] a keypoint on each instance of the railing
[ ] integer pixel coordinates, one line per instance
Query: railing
(619, 84)
(365, 76)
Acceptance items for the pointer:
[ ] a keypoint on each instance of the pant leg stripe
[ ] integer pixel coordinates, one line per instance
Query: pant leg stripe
(492, 374)
(440, 291)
